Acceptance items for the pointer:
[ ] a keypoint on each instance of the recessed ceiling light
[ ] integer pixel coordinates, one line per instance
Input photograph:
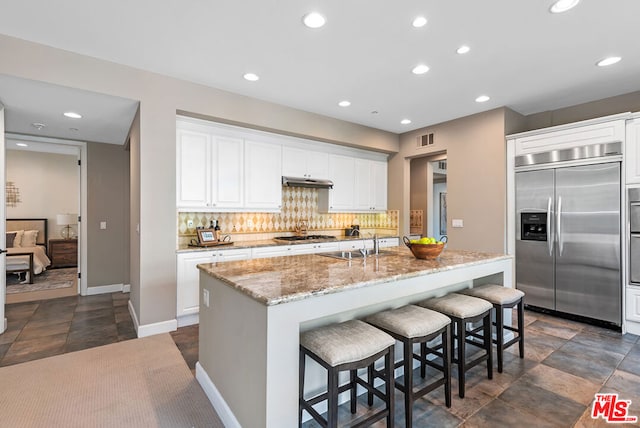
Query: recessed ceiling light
(73, 129)
(563, 5)
(38, 125)
(73, 115)
(608, 61)
(314, 20)
(22, 144)
(482, 99)
(420, 69)
(251, 77)
(405, 121)
(375, 112)
(419, 21)
(463, 49)
(344, 103)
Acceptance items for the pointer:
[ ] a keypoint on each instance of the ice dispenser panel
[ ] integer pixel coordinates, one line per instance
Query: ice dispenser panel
(534, 226)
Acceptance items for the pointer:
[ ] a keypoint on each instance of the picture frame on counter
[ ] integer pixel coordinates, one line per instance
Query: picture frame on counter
(206, 236)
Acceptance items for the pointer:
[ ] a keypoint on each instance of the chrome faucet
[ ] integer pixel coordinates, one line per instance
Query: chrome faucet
(363, 250)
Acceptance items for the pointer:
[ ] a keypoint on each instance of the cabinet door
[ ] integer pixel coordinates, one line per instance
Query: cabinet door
(188, 282)
(632, 152)
(275, 251)
(378, 185)
(302, 249)
(193, 152)
(227, 173)
(317, 165)
(362, 195)
(263, 172)
(342, 173)
(294, 162)
(233, 255)
(633, 304)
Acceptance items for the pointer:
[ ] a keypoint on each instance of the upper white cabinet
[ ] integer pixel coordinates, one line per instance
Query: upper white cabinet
(263, 171)
(194, 168)
(370, 185)
(341, 197)
(632, 151)
(227, 173)
(304, 163)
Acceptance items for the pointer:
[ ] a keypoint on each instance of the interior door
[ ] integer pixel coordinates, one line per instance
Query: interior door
(3, 277)
(588, 273)
(534, 258)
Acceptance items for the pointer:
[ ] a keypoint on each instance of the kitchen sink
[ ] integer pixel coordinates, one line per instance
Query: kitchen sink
(351, 255)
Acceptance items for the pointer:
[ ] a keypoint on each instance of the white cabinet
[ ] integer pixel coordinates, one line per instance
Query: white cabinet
(209, 170)
(341, 197)
(632, 151)
(388, 242)
(370, 185)
(304, 163)
(227, 173)
(194, 168)
(263, 171)
(315, 248)
(188, 279)
(633, 303)
(355, 245)
(275, 251)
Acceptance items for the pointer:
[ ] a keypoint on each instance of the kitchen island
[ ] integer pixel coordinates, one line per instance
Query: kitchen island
(252, 313)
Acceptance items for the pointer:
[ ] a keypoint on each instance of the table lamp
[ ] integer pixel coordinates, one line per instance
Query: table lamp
(66, 220)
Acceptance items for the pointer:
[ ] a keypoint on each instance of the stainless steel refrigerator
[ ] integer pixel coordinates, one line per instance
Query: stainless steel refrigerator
(568, 238)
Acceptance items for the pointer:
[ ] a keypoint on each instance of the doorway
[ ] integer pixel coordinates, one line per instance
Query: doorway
(46, 180)
(428, 196)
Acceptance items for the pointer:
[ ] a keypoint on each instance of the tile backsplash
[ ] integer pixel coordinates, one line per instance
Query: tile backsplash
(298, 204)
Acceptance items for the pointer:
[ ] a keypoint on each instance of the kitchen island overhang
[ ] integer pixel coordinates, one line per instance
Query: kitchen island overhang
(249, 332)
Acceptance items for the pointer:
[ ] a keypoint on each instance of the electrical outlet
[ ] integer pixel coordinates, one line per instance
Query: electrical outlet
(249, 223)
(205, 297)
(190, 224)
(330, 222)
(457, 222)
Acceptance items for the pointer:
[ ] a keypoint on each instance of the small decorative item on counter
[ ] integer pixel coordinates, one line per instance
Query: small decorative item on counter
(424, 248)
(216, 230)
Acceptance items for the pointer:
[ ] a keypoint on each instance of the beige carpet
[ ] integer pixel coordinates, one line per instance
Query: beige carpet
(136, 383)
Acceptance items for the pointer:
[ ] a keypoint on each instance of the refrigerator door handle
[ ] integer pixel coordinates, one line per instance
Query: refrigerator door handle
(549, 231)
(559, 226)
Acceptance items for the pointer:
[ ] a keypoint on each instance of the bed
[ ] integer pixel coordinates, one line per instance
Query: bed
(27, 246)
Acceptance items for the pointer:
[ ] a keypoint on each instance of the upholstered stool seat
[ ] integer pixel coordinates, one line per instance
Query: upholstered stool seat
(463, 310)
(503, 298)
(347, 346)
(410, 325)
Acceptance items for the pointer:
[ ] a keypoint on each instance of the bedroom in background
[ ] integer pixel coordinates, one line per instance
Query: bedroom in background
(42, 206)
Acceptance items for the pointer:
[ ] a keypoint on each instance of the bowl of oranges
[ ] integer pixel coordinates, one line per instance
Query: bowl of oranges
(425, 248)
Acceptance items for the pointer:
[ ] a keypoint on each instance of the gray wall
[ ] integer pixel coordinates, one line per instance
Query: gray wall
(108, 201)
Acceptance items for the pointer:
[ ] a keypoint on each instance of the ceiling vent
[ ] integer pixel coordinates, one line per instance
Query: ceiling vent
(425, 140)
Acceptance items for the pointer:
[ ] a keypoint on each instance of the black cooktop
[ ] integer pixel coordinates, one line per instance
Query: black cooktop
(304, 238)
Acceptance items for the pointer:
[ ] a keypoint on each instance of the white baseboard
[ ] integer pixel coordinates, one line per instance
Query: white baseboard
(222, 408)
(157, 328)
(126, 288)
(632, 327)
(134, 317)
(104, 289)
(190, 319)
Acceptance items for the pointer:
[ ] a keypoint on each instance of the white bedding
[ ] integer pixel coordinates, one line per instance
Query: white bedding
(40, 259)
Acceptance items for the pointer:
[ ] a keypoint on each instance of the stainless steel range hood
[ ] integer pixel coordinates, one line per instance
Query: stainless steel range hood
(307, 182)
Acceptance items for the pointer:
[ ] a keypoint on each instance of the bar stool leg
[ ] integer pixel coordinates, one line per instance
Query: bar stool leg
(499, 334)
(488, 344)
(461, 340)
(521, 327)
(354, 387)
(446, 364)
(408, 383)
(332, 398)
(370, 379)
(390, 385)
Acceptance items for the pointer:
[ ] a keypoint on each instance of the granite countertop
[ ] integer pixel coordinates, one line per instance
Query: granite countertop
(277, 280)
(274, 242)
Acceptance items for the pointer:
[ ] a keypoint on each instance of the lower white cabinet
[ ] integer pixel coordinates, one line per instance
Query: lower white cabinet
(388, 242)
(633, 304)
(188, 279)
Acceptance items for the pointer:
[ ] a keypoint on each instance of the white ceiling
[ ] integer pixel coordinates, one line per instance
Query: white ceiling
(521, 55)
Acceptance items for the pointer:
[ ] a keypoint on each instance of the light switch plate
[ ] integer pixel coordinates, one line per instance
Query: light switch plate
(456, 222)
(190, 224)
(103, 225)
(249, 223)
(205, 297)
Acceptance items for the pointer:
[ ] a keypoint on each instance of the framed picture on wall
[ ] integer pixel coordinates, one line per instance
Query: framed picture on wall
(443, 213)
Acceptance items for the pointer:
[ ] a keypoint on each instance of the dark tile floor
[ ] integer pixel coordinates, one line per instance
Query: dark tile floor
(566, 363)
(50, 327)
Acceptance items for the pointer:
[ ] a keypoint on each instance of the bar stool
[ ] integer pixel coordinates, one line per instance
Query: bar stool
(503, 298)
(350, 345)
(463, 310)
(410, 325)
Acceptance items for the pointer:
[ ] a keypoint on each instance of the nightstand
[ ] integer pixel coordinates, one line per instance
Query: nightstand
(63, 252)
